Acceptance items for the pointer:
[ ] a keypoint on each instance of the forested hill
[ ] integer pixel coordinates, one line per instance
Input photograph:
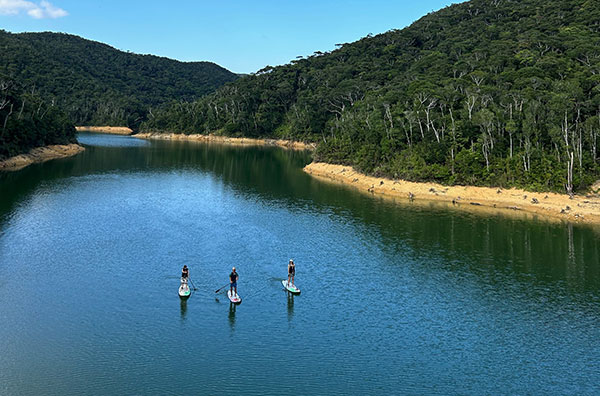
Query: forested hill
(487, 92)
(100, 85)
(27, 121)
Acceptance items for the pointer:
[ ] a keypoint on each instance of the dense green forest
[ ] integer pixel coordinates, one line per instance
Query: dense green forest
(487, 92)
(28, 121)
(100, 85)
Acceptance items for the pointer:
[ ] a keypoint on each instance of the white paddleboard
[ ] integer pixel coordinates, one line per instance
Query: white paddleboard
(184, 290)
(292, 289)
(236, 299)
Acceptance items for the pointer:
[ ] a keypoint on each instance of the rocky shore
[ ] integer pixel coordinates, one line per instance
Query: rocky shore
(38, 155)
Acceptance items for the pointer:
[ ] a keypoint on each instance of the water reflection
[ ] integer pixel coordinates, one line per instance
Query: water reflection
(231, 316)
(290, 305)
(183, 308)
(486, 245)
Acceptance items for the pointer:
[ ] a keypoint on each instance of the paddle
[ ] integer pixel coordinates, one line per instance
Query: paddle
(193, 285)
(221, 288)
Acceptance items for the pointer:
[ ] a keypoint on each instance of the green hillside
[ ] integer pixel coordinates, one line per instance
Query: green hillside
(487, 92)
(99, 85)
(27, 121)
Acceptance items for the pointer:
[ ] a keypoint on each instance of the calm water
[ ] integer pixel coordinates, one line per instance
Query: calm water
(395, 299)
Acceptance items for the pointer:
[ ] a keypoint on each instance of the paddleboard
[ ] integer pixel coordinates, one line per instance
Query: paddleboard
(236, 299)
(184, 290)
(292, 289)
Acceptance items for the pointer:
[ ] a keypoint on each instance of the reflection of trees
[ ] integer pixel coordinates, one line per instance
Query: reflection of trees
(483, 244)
(16, 186)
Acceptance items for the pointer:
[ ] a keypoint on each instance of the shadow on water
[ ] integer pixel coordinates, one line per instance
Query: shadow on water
(231, 316)
(290, 305)
(183, 309)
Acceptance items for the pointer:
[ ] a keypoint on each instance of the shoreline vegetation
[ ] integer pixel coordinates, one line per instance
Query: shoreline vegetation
(39, 155)
(549, 206)
(105, 129)
(234, 141)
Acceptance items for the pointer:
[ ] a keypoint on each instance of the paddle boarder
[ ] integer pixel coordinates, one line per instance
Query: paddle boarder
(185, 272)
(233, 277)
(291, 271)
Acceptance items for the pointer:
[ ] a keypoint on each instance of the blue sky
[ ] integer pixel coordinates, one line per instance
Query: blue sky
(243, 36)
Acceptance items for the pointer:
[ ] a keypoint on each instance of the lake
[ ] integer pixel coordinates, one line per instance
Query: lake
(396, 298)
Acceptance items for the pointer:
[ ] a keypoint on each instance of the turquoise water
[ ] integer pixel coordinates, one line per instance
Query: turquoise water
(396, 299)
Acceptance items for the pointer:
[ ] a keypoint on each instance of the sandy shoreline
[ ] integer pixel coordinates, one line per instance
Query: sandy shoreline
(549, 206)
(38, 155)
(287, 144)
(105, 129)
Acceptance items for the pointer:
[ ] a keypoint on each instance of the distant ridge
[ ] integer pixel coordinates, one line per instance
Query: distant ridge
(97, 84)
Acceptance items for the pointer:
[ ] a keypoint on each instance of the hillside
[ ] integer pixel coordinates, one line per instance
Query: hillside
(487, 92)
(100, 85)
(27, 121)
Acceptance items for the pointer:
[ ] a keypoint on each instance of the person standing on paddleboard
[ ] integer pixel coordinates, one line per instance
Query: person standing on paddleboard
(185, 272)
(291, 271)
(233, 277)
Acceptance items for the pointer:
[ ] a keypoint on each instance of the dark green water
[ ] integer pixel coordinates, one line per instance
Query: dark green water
(395, 299)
